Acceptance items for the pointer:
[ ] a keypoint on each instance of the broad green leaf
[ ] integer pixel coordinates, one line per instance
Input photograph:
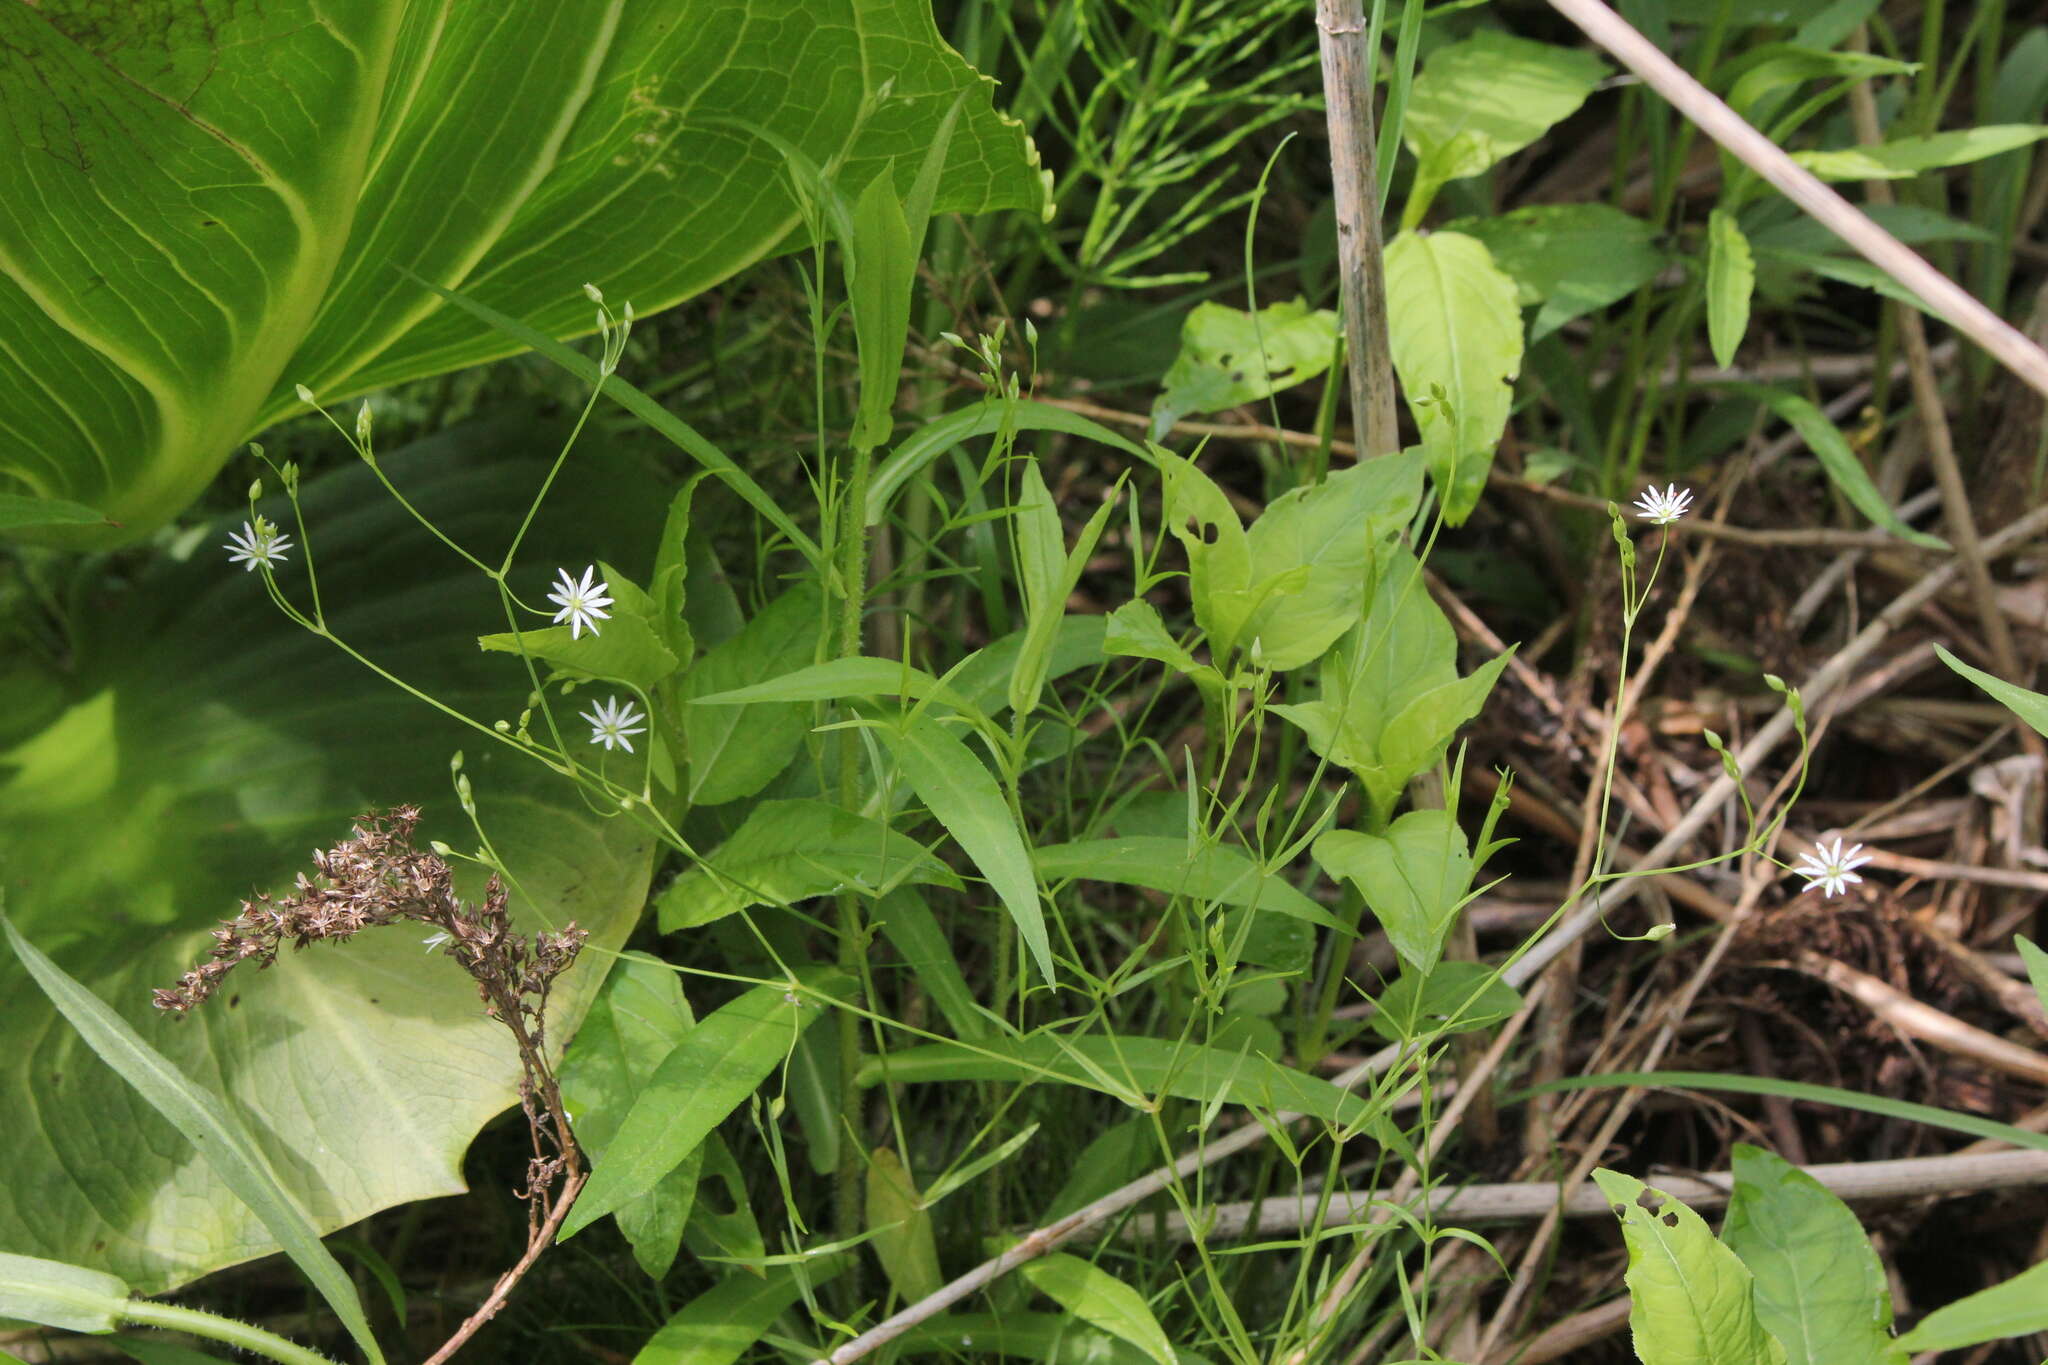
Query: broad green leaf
(70, 1298)
(1229, 357)
(1692, 1301)
(1391, 697)
(1453, 323)
(1731, 277)
(1820, 1288)
(2037, 966)
(1414, 879)
(1100, 1299)
(219, 1136)
(1222, 876)
(633, 1025)
(2013, 1309)
(1454, 996)
(212, 745)
(721, 1324)
(1836, 457)
(705, 1077)
(732, 1232)
(20, 513)
(2030, 707)
(1570, 258)
(1211, 534)
(902, 1228)
(1136, 632)
(788, 851)
(909, 924)
(1913, 224)
(736, 750)
(212, 207)
(1909, 156)
(1312, 551)
(1052, 1338)
(1135, 1070)
(963, 796)
(1480, 100)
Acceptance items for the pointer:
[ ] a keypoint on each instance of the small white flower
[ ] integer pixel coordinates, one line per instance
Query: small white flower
(582, 602)
(256, 543)
(1665, 507)
(612, 721)
(1830, 868)
(433, 941)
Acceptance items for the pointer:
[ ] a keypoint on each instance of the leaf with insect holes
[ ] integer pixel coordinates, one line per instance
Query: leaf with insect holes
(1692, 1300)
(213, 205)
(1229, 357)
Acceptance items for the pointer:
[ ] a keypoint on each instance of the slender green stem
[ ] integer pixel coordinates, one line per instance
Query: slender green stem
(245, 1336)
(852, 553)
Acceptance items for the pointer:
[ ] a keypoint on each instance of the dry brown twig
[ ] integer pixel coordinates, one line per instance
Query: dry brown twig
(376, 878)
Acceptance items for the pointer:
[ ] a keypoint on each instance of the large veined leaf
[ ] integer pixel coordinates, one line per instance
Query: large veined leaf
(209, 205)
(211, 745)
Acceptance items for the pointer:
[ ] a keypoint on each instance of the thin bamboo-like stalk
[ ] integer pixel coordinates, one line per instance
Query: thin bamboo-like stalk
(1347, 94)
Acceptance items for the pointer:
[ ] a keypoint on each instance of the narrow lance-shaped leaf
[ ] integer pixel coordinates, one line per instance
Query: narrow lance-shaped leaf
(1099, 1298)
(1731, 277)
(963, 796)
(1836, 457)
(709, 1074)
(220, 1138)
(70, 1298)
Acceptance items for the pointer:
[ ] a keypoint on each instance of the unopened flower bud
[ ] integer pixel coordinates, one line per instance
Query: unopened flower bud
(305, 394)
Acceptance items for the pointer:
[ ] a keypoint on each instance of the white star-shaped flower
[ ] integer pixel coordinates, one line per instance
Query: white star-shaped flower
(1665, 507)
(612, 721)
(1830, 868)
(582, 602)
(256, 543)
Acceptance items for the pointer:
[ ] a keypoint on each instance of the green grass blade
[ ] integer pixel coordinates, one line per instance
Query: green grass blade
(207, 1125)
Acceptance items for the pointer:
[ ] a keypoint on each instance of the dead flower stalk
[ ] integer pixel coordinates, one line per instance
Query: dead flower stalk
(376, 877)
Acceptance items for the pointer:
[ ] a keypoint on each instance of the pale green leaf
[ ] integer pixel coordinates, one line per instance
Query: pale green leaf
(963, 796)
(70, 1298)
(941, 434)
(1731, 278)
(218, 1134)
(1455, 997)
(705, 1077)
(852, 676)
(788, 851)
(1137, 632)
(1570, 258)
(1484, 98)
(219, 743)
(1820, 1288)
(1692, 1301)
(1453, 323)
(1909, 156)
(882, 266)
(2015, 1308)
(2029, 706)
(1229, 357)
(1413, 878)
(902, 1227)
(211, 207)
(1836, 457)
(1099, 1298)
(20, 513)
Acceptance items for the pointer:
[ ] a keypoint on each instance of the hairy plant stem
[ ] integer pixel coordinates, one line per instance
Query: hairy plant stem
(852, 569)
(241, 1335)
